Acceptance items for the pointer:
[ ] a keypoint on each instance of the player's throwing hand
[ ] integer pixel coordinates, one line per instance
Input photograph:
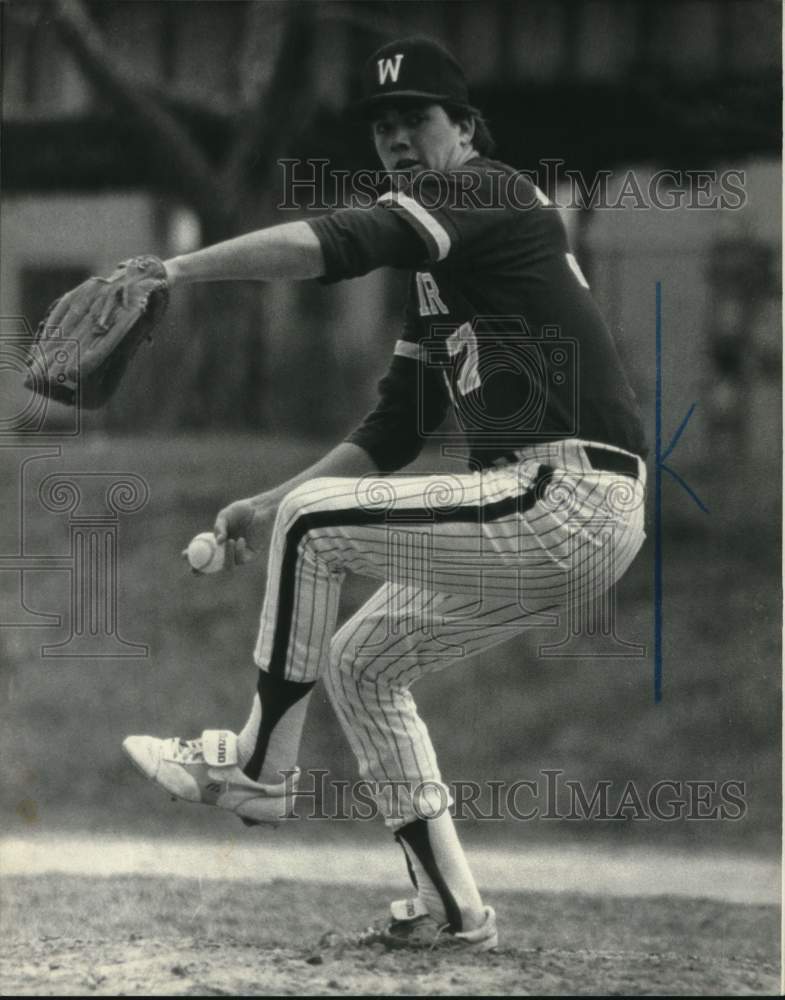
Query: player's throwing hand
(245, 527)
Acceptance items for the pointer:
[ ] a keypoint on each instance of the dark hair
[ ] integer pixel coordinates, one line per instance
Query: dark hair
(483, 141)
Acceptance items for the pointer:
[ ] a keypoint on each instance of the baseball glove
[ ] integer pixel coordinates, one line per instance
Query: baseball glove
(86, 340)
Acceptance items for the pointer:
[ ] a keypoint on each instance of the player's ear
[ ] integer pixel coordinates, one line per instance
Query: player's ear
(466, 126)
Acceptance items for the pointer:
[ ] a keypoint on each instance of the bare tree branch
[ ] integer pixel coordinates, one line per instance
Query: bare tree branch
(285, 105)
(173, 143)
(193, 102)
(263, 30)
(276, 81)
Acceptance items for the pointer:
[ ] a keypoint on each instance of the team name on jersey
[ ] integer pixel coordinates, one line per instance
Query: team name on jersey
(430, 300)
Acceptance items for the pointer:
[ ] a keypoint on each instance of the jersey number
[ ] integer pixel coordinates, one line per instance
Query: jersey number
(464, 339)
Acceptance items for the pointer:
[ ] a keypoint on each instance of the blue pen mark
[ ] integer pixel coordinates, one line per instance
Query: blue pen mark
(659, 468)
(658, 495)
(666, 468)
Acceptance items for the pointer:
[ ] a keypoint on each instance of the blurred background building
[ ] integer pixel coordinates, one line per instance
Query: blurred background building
(156, 126)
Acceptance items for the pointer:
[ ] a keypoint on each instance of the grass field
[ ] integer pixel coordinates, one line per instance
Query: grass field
(185, 937)
(595, 719)
(515, 712)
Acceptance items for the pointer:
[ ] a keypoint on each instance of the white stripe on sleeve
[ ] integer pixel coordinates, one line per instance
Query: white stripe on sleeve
(406, 350)
(434, 232)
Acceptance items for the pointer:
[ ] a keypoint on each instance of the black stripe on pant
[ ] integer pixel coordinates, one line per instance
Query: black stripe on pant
(479, 514)
(415, 834)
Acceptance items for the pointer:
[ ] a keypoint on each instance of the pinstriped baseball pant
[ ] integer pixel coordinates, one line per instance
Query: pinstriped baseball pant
(468, 561)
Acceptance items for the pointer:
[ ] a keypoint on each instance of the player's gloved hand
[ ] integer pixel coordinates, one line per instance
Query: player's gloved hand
(245, 527)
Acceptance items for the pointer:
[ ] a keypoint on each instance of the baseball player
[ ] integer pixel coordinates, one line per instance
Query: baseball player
(500, 329)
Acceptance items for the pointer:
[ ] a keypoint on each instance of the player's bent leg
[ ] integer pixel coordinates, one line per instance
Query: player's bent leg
(384, 648)
(328, 526)
(568, 531)
(302, 594)
(297, 621)
(447, 899)
(324, 528)
(374, 658)
(272, 732)
(207, 771)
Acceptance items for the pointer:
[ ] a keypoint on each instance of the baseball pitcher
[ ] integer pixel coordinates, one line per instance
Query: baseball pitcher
(501, 330)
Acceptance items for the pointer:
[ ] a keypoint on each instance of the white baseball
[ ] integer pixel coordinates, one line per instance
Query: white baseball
(205, 554)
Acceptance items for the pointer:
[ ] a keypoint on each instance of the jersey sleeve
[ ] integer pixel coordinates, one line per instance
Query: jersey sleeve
(455, 215)
(355, 241)
(413, 401)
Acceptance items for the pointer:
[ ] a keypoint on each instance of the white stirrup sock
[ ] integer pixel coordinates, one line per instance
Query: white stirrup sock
(443, 878)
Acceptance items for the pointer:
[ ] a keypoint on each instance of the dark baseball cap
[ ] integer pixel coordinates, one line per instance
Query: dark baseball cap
(412, 69)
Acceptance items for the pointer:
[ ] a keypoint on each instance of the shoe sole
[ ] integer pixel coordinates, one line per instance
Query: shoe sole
(453, 947)
(446, 941)
(140, 770)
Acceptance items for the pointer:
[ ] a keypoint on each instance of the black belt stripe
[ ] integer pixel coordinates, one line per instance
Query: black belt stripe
(342, 518)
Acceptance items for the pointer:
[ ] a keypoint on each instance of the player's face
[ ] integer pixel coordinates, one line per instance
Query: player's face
(421, 137)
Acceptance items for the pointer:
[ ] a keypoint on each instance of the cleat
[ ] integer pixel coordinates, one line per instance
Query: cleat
(424, 933)
(206, 771)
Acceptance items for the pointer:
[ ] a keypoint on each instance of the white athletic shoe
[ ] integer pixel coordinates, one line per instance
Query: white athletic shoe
(206, 771)
(412, 926)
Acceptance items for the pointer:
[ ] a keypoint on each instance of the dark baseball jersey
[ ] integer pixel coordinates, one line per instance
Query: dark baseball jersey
(500, 321)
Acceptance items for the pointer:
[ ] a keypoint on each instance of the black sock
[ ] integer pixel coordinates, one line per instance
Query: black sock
(277, 696)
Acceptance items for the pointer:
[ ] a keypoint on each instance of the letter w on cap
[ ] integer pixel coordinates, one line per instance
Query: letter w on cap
(389, 68)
